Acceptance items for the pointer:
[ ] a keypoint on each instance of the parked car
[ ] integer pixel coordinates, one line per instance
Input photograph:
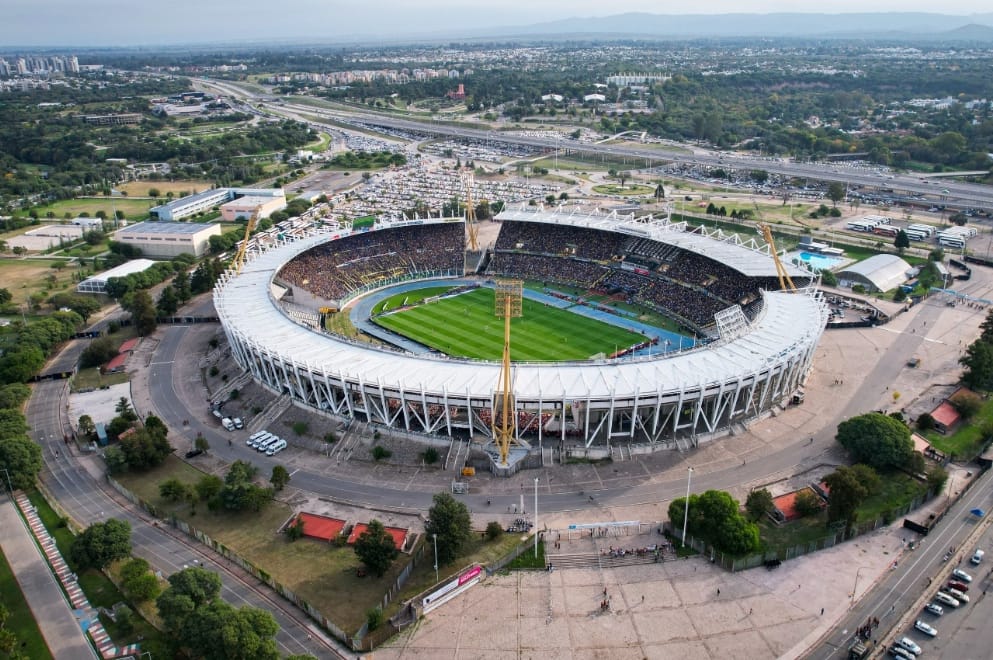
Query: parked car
(977, 557)
(275, 447)
(902, 653)
(962, 575)
(909, 644)
(238, 423)
(958, 595)
(193, 453)
(934, 609)
(958, 586)
(925, 628)
(946, 599)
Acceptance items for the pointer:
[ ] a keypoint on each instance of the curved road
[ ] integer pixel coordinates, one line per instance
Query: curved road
(86, 501)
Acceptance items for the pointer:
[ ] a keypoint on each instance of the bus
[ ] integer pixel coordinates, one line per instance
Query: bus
(955, 242)
(927, 229)
(861, 225)
(916, 235)
(885, 230)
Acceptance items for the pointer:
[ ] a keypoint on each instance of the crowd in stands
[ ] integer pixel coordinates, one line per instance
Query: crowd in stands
(678, 282)
(334, 269)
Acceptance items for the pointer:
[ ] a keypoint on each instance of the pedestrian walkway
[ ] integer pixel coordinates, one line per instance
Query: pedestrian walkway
(65, 638)
(88, 620)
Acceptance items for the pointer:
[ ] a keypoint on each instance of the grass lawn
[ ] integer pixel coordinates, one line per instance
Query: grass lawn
(629, 189)
(466, 326)
(797, 532)
(967, 441)
(320, 573)
(132, 208)
(20, 621)
(99, 589)
(896, 490)
(22, 277)
(93, 379)
(141, 188)
(409, 298)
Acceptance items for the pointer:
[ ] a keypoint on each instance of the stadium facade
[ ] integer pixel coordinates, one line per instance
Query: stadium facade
(754, 361)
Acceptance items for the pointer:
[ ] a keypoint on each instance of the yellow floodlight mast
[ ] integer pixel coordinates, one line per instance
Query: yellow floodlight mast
(785, 281)
(507, 303)
(239, 259)
(470, 210)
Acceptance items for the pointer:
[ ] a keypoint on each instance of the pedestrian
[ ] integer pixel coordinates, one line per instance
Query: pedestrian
(643, 597)
(822, 611)
(749, 611)
(718, 591)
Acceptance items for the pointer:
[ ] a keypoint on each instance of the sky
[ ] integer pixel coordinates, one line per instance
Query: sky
(150, 22)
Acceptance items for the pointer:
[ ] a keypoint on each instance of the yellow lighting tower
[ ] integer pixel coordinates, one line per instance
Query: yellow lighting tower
(785, 281)
(470, 210)
(507, 304)
(239, 259)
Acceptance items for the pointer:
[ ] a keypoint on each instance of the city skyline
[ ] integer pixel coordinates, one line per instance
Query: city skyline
(114, 23)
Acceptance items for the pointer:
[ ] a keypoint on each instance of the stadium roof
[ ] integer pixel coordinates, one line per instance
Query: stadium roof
(164, 227)
(747, 256)
(788, 325)
(881, 271)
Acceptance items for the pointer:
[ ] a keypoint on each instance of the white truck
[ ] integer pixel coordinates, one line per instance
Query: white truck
(227, 424)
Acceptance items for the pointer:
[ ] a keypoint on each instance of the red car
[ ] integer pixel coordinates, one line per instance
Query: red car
(961, 586)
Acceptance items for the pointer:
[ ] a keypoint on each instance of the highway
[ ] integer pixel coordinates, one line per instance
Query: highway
(950, 193)
(167, 550)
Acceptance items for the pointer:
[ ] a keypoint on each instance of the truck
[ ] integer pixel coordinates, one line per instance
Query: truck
(227, 424)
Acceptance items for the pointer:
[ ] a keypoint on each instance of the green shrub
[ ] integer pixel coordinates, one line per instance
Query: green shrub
(379, 452)
(493, 530)
(430, 455)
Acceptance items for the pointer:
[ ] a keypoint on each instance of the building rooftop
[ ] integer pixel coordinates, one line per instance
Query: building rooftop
(127, 268)
(164, 227)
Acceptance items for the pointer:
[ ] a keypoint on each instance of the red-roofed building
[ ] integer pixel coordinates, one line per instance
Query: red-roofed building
(399, 535)
(129, 345)
(946, 418)
(784, 506)
(116, 364)
(321, 527)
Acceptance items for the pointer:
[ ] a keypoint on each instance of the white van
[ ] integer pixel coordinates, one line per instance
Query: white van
(227, 424)
(977, 557)
(276, 447)
(269, 442)
(262, 438)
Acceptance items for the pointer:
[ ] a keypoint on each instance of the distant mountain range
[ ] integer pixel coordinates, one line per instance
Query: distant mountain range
(896, 25)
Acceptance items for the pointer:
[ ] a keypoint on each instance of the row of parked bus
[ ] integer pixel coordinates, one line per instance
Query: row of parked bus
(268, 443)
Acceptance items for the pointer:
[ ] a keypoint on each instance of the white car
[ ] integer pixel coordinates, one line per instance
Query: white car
(958, 595)
(909, 644)
(934, 609)
(925, 628)
(962, 575)
(945, 599)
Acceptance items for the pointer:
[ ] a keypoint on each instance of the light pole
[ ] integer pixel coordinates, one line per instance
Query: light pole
(856, 585)
(536, 517)
(686, 511)
(435, 558)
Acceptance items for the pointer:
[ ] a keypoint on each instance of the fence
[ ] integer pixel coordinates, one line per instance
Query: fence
(740, 563)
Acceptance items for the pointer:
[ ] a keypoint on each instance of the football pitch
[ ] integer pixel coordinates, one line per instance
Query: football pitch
(466, 326)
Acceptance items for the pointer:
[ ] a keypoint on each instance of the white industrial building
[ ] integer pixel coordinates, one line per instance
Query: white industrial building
(168, 239)
(881, 272)
(244, 207)
(207, 200)
(98, 283)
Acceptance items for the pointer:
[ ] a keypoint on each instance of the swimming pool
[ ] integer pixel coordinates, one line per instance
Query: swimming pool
(819, 261)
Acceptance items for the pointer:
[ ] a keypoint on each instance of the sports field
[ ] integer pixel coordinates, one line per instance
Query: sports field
(466, 326)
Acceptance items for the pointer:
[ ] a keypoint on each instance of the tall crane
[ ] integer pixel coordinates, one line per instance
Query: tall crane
(785, 281)
(470, 211)
(508, 295)
(239, 258)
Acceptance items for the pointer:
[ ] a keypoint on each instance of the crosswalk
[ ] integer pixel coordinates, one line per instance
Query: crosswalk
(87, 616)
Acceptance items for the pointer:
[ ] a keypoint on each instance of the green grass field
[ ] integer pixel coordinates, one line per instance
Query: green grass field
(20, 620)
(465, 326)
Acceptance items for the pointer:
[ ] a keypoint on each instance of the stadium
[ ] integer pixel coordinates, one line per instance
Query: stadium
(752, 349)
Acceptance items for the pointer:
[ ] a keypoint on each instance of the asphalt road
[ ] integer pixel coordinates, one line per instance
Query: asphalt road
(166, 550)
(898, 592)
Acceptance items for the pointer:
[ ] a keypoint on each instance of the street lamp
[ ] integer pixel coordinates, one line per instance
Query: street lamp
(686, 512)
(856, 585)
(536, 517)
(435, 557)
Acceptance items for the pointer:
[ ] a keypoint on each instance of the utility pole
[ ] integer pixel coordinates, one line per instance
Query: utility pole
(686, 512)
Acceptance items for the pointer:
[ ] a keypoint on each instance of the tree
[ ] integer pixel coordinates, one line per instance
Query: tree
(188, 589)
(494, 530)
(123, 409)
(168, 302)
(901, 242)
(115, 459)
(714, 518)
(173, 490)
(181, 285)
(280, 477)
(978, 363)
(5, 296)
(99, 351)
(101, 543)
(877, 440)
(807, 503)
(22, 458)
(925, 422)
(836, 192)
(449, 519)
(208, 486)
(145, 448)
(375, 548)
(936, 478)
(138, 581)
(139, 304)
(13, 395)
(200, 443)
(849, 488)
(758, 504)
